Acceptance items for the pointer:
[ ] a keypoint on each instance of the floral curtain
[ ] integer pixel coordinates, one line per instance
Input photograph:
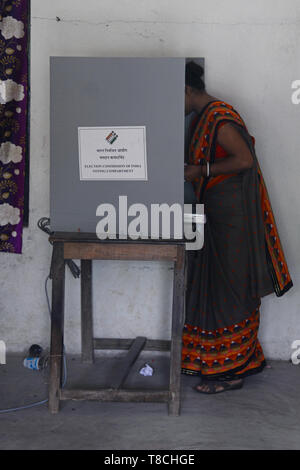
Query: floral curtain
(14, 121)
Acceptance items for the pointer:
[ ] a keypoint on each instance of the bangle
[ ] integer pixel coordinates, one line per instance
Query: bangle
(207, 169)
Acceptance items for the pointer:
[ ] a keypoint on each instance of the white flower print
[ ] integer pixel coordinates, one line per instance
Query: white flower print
(10, 90)
(10, 152)
(9, 214)
(10, 27)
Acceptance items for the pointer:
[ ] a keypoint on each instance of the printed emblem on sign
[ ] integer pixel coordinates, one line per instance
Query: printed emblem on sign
(112, 137)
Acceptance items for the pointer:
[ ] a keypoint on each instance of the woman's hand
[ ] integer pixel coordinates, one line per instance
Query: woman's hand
(191, 172)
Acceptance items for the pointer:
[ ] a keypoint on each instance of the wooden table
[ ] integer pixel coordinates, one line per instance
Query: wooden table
(88, 247)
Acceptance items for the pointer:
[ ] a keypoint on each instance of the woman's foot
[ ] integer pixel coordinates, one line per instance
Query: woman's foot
(210, 387)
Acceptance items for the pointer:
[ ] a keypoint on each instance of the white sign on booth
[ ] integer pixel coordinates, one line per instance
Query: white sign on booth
(112, 153)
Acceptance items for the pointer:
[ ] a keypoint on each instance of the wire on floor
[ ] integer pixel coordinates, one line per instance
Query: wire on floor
(43, 402)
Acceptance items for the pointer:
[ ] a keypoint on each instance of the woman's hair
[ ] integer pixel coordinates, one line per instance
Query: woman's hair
(193, 76)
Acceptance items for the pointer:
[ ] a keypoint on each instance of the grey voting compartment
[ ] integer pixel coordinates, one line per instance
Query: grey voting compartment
(115, 92)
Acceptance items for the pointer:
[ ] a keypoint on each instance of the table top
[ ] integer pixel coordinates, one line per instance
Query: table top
(92, 238)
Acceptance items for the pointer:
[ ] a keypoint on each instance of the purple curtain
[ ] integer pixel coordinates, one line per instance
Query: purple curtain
(14, 119)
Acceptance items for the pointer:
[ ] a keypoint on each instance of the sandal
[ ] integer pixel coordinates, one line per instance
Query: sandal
(213, 386)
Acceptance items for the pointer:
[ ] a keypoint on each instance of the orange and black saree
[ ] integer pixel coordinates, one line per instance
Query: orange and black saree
(242, 260)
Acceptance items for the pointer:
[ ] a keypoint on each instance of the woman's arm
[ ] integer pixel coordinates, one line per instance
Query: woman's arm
(239, 158)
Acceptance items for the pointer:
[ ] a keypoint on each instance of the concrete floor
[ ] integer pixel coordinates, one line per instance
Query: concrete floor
(265, 414)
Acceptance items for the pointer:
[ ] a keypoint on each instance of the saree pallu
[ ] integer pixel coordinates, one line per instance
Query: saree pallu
(228, 277)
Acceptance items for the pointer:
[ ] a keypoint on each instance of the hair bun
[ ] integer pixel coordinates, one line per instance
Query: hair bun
(196, 69)
(193, 75)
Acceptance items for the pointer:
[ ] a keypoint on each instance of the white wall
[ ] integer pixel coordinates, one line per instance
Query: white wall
(252, 52)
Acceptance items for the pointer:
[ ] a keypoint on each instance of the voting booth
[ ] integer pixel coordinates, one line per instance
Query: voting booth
(117, 130)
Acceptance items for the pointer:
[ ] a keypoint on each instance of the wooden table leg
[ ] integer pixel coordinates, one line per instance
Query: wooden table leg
(87, 336)
(57, 325)
(177, 326)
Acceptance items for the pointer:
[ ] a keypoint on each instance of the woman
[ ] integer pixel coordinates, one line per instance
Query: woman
(242, 258)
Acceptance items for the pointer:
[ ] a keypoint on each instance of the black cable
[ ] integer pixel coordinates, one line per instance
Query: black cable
(44, 225)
